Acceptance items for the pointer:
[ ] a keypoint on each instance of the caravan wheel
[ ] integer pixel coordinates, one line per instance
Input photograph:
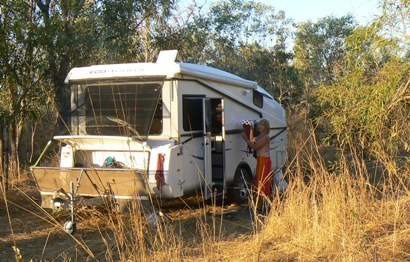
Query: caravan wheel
(241, 187)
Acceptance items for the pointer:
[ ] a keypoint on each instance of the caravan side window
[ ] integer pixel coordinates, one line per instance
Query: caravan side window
(192, 112)
(257, 99)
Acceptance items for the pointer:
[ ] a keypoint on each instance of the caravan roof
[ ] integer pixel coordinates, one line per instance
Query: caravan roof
(160, 69)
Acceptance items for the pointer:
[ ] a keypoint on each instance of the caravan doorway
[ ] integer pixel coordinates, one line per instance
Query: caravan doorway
(208, 114)
(217, 144)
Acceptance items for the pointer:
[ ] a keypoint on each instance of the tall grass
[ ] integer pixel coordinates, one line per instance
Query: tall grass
(352, 213)
(340, 218)
(348, 209)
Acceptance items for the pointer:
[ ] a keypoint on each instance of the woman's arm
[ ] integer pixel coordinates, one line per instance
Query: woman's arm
(260, 142)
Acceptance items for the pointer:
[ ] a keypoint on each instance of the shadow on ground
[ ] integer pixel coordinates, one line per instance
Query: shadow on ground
(38, 236)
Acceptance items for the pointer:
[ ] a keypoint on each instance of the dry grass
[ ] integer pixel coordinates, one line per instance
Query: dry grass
(338, 215)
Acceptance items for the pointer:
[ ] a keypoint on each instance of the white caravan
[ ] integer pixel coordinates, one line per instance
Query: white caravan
(163, 129)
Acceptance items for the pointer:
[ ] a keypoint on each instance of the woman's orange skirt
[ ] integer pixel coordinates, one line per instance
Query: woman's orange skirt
(263, 168)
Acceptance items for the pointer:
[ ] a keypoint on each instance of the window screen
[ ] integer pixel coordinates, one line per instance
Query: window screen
(257, 99)
(133, 109)
(192, 113)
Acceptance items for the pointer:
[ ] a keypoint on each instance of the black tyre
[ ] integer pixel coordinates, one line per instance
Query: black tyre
(70, 227)
(241, 187)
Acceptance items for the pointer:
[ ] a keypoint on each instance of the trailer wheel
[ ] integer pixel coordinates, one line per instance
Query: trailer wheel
(241, 187)
(70, 227)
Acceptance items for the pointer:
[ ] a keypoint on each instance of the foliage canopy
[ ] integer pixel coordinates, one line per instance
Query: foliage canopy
(351, 80)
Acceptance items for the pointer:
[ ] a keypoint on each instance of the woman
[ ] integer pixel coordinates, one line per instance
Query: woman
(263, 161)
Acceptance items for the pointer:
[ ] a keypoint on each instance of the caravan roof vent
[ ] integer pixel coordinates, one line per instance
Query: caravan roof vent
(167, 56)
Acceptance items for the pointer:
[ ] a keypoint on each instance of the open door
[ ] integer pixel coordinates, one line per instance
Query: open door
(206, 109)
(218, 146)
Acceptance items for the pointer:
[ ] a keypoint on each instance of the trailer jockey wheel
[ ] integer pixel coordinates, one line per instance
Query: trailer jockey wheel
(241, 189)
(70, 227)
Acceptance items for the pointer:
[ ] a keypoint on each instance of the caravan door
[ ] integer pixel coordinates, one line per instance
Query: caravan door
(218, 146)
(214, 146)
(206, 110)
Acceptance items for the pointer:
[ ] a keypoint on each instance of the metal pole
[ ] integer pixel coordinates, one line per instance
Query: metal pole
(72, 200)
(42, 153)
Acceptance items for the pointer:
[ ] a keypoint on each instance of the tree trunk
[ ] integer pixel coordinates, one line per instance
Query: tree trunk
(19, 134)
(5, 163)
(2, 173)
(14, 168)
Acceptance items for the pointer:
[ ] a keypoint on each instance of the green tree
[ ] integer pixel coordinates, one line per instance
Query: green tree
(129, 27)
(41, 40)
(256, 35)
(367, 109)
(396, 20)
(77, 33)
(234, 33)
(188, 31)
(20, 93)
(319, 49)
(68, 33)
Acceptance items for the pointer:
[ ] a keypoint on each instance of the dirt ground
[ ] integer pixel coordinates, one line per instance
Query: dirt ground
(30, 229)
